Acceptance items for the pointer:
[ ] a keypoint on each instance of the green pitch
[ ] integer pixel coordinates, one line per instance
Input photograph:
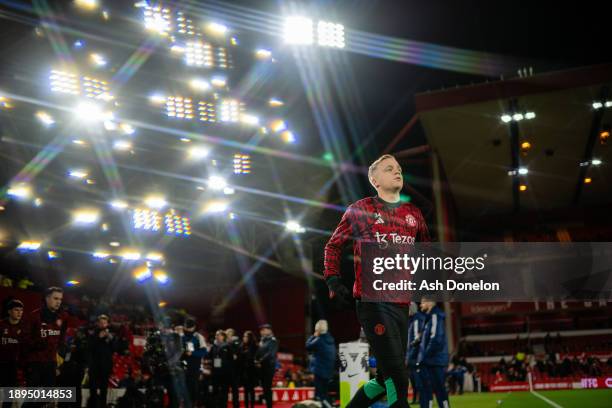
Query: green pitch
(564, 399)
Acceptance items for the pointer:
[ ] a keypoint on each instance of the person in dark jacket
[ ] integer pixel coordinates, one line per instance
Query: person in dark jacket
(11, 332)
(415, 331)
(194, 347)
(265, 359)
(248, 349)
(44, 333)
(234, 343)
(222, 358)
(322, 347)
(433, 356)
(102, 345)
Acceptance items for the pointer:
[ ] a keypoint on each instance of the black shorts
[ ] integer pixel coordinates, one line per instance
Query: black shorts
(386, 328)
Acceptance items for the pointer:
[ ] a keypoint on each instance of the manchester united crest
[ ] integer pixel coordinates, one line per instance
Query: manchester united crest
(412, 222)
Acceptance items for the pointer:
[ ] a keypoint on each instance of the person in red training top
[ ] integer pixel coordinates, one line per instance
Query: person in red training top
(46, 329)
(11, 332)
(381, 219)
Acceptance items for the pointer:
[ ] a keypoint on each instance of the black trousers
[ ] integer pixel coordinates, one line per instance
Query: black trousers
(192, 381)
(321, 389)
(386, 328)
(235, 386)
(267, 374)
(8, 376)
(98, 386)
(249, 382)
(221, 388)
(39, 374)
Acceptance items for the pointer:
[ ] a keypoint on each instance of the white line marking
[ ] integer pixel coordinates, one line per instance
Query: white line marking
(543, 398)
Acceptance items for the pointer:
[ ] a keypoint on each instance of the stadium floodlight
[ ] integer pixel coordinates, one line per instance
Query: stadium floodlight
(157, 19)
(79, 142)
(198, 153)
(249, 119)
(78, 174)
(85, 217)
(199, 84)
(278, 125)
(288, 137)
(229, 111)
(119, 204)
(162, 304)
(148, 220)
(155, 201)
(217, 28)
(216, 183)
(127, 129)
(87, 4)
(161, 276)
(207, 111)
(73, 282)
(597, 105)
(29, 246)
(228, 191)
(185, 140)
(275, 102)
(122, 145)
(518, 117)
(523, 187)
(231, 216)
(64, 82)
(218, 81)
(100, 255)
(330, 34)
(242, 163)
(177, 49)
(198, 54)
(90, 112)
(142, 273)
(595, 162)
(298, 30)
(608, 104)
(295, 227)
(588, 180)
(155, 257)
(179, 107)
(530, 115)
(38, 202)
(45, 118)
(177, 224)
(506, 118)
(157, 99)
(98, 59)
(215, 206)
(52, 254)
(20, 191)
(523, 170)
(5, 103)
(263, 54)
(131, 255)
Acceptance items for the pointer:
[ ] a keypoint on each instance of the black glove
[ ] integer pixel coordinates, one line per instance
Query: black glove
(338, 292)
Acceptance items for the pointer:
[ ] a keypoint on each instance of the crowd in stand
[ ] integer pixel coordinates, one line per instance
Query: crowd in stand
(73, 345)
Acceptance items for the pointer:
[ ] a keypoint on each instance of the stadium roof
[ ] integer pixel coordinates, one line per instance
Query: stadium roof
(477, 148)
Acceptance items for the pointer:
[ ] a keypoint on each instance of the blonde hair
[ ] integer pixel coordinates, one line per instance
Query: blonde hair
(374, 166)
(321, 326)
